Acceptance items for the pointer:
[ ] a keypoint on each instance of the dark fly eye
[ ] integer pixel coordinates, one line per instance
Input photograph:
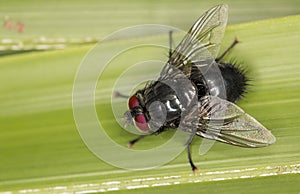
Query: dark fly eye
(141, 122)
(133, 102)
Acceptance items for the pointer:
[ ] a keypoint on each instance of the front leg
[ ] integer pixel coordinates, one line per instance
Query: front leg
(132, 142)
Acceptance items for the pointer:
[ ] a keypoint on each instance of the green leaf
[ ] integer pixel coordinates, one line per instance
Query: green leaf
(41, 148)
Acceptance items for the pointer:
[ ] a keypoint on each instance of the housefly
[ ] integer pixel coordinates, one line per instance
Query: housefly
(214, 84)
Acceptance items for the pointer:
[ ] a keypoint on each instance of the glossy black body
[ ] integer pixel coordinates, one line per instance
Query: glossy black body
(206, 102)
(235, 83)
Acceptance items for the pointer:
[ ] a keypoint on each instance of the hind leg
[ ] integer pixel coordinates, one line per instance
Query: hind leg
(236, 40)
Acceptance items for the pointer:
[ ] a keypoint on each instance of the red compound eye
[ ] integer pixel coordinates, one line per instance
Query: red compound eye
(133, 102)
(141, 122)
(140, 119)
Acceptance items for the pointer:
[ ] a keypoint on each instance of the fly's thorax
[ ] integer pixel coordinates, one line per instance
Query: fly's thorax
(161, 101)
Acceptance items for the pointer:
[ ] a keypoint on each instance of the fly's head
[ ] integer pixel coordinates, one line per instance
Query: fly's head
(147, 118)
(137, 113)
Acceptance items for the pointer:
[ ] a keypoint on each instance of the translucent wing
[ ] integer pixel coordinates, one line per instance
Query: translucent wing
(225, 122)
(202, 42)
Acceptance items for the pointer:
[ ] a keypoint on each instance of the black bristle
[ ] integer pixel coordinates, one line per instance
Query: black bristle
(235, 79)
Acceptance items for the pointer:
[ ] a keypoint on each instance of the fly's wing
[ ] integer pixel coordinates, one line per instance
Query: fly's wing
(225, 122)
(201, 43)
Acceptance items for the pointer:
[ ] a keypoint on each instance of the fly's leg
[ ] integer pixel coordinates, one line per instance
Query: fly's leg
(170, 43)
(132, 142)
(236, 40)
(120, 95)
(194, 168)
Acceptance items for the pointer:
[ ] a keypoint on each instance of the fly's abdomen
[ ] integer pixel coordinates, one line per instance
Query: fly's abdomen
(233, 80)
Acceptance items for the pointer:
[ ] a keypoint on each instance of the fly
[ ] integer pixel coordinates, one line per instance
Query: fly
(217, 117)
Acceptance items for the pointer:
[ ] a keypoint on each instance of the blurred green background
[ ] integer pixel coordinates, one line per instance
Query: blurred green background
(99, 18)
(40, 148)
